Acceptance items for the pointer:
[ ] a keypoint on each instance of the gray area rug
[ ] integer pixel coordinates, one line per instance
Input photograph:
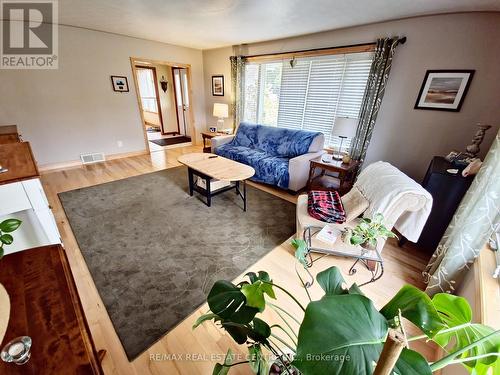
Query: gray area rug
(154, 252)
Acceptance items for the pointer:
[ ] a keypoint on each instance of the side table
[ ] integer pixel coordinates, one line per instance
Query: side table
(342, 183)
(207, 136)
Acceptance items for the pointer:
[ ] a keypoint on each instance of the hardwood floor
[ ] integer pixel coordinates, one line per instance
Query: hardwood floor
(184, 351)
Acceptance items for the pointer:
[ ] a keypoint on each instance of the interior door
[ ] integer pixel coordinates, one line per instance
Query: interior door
(182, 99)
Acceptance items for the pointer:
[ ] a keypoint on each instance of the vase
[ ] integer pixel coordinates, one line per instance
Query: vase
(4, 312)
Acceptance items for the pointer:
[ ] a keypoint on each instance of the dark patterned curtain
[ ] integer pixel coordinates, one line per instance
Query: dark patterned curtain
(237, 76)
(375, 89)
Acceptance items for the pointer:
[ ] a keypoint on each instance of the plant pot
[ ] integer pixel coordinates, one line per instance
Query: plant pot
(370, 264)
(4, 312)
(276, 368)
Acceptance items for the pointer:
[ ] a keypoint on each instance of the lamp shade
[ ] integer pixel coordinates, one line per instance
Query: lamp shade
(345, 127)
(221, 110)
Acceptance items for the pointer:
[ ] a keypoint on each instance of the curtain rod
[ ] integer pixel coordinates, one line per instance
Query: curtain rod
(400, 41)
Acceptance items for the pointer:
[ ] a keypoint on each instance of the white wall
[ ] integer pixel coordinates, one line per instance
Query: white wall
(216, 62)
(406, 137)
(73, 109)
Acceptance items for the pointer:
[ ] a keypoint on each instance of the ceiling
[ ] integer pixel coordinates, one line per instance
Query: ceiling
(207, 24)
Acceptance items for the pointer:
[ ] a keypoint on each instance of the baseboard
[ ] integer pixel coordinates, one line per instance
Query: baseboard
(52, 167)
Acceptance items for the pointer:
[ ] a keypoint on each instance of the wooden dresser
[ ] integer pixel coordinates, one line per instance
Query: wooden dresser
(45, 306)
(22, 196)
(9, 134)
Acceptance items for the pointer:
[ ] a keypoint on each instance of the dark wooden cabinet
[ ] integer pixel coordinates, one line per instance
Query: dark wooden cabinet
(45, 306)
(447, 191)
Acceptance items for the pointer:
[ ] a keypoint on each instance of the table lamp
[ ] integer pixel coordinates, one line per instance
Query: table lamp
(343, 127)
(221, 111)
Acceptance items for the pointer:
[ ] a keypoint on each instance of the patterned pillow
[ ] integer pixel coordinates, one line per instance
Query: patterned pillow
(326, 206)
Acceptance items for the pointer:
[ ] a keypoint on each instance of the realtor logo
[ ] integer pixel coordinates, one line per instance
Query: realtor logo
(29, 34)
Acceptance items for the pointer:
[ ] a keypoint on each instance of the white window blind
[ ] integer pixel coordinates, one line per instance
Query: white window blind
(309, 96)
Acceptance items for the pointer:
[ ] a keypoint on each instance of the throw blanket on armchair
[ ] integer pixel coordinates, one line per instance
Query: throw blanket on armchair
(268, 150)
(385, 187)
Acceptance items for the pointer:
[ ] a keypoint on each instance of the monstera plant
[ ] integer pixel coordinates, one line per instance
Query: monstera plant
(343, 332)
(6, 228)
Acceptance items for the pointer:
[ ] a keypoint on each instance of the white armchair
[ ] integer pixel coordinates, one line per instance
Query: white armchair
(379, 188)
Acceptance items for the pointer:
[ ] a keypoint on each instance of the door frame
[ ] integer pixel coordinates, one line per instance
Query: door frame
(157, 93)
(175, 97)
(138, 60)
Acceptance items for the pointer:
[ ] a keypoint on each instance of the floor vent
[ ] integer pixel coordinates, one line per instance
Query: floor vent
(92, 158)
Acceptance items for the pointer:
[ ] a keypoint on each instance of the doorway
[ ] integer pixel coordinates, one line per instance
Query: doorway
(164, 98)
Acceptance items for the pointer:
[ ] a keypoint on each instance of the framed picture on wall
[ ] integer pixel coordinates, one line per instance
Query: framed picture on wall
(120, 83)
(218, 85)
(444, 90)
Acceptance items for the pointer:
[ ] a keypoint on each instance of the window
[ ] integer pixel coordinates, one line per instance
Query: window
(310, 96)
(147, 91)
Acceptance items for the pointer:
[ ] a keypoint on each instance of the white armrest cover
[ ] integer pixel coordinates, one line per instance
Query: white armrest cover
(298, 170)
(220, 140)
(317, 144)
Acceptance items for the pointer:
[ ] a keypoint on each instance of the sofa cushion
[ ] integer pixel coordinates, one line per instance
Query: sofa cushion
(269, 169)
(276, 141)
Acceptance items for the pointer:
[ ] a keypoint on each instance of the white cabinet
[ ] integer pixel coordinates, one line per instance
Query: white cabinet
(26, 201)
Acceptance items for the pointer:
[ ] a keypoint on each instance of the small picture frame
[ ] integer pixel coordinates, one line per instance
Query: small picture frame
(218, 85)
(212, 129)
(444, 90)
(120, 83)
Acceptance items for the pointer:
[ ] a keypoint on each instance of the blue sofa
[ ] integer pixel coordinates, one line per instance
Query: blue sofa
(279, 156)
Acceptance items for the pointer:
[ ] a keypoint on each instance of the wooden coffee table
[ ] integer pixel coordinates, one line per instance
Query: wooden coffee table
(213, 167)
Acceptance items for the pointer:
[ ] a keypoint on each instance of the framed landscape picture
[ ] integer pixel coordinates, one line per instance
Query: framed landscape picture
(444, 90)
(120, 83)
(218, 85)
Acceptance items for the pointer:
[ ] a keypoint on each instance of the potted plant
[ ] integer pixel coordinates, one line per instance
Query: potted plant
(343, 332)
(367, 232)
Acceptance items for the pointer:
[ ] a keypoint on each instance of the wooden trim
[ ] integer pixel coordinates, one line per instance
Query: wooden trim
(139, 106)
(487, 288)
(173, 69)
(53, 167)
(370, 47)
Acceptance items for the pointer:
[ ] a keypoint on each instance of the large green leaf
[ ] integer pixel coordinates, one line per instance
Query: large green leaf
(455, 311)
(204, 318)
(412, 363)
(331, 281)
(227, 301)
(258, 362)
(417, 307)
(254, 293)
(10, 225)
(261, 330)
(220, 369)
(338, 326)
(344, 334)
(258, 331)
